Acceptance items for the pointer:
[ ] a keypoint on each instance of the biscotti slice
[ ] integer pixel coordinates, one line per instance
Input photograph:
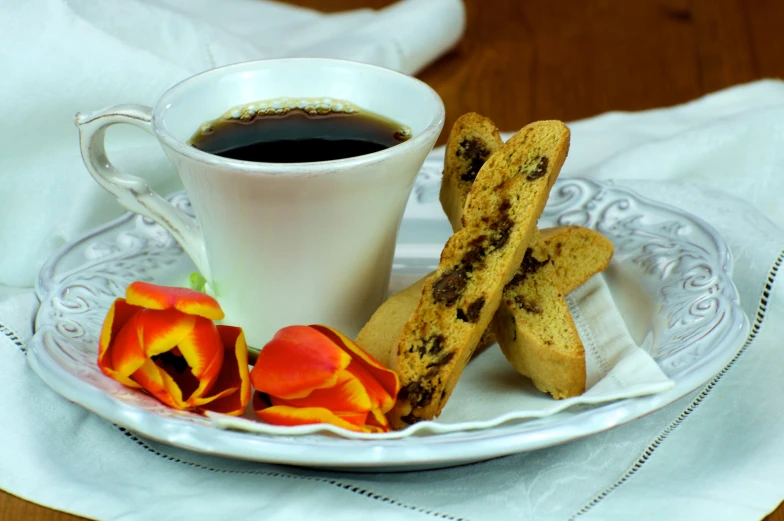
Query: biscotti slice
(522, 350)
(472, 140)
(460, 299)
(379, 336)
(576, 254)
(535, 329)
(534, 325)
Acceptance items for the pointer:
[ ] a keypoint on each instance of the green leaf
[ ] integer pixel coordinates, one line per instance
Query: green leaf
(197, 282)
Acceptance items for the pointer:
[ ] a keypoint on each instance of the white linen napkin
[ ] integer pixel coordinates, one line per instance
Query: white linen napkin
(64, 56)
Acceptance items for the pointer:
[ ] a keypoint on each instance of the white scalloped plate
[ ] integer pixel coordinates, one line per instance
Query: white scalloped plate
(691, 325)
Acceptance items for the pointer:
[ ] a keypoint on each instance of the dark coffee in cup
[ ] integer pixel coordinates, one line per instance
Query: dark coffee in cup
(298, 131)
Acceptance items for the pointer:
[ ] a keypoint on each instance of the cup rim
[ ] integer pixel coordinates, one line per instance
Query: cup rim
(301, 168)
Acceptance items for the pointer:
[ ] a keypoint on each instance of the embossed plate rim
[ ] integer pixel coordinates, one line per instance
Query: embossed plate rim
(418, 451)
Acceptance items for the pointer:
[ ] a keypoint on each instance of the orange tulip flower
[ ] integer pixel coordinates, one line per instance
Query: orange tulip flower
(163, 340)
(314, 374)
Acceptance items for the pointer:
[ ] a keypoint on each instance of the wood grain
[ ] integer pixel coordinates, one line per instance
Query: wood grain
(569, 59)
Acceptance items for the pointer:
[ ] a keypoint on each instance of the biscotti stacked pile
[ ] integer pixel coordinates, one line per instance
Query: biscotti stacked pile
(499, 277)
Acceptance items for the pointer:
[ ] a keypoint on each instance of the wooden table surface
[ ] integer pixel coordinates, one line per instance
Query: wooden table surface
(523, 60)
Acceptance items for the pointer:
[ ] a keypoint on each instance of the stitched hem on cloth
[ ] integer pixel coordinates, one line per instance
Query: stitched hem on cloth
(11, 334)
(334, 482)
(664, 434)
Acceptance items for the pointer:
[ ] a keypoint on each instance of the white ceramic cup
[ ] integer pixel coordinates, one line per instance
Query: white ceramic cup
(280, 244)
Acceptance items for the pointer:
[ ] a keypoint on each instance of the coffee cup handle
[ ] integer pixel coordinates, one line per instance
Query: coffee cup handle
(131, 191)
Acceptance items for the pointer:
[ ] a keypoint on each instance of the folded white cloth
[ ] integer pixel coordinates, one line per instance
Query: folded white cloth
(64, 56)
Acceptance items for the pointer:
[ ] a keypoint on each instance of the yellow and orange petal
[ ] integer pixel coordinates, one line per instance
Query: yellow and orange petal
(378, 420)
(297, 361)
(163, 329)
(119, 313)
(386, 378)
(233, 375)
(186, 340)
(152, 296)
(291, 416)
(379, 396)
(158, 383)
(347, 396)
(120, 351)
(203, 350)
